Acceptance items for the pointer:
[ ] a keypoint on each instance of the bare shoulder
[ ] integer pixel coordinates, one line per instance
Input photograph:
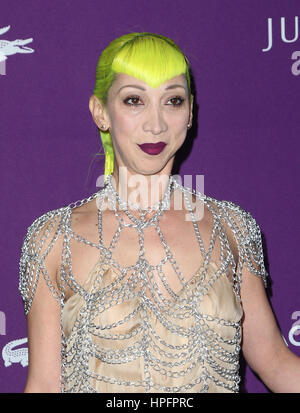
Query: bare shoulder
(40, 253)
(84, 220)
(237, 224)
(44, 235)
(245, 236)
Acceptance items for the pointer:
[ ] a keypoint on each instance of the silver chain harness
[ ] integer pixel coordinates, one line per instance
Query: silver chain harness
(205, 349)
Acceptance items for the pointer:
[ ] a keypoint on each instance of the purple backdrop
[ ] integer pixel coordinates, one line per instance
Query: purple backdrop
(248, 127)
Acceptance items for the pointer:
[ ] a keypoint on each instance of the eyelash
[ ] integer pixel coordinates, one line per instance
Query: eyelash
(137, 97)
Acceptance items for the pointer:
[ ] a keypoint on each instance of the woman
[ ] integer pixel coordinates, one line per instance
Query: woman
(124, 293)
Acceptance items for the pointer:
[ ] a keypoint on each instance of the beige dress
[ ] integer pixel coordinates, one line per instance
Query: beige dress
(120, 336)
(219, 302)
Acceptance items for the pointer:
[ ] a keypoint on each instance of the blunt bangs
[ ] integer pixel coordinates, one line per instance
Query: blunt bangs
(151, 60)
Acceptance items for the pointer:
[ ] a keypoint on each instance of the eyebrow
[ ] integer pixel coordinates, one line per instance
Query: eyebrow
(141, 88)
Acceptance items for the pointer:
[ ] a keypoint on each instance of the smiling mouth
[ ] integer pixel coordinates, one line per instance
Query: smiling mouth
(153, 148)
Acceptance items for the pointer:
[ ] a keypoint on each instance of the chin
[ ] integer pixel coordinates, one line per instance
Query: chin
(153, 171)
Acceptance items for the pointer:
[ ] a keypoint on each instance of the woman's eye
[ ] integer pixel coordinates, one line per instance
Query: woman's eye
(132, 101)
(177, 101)
(135, 101)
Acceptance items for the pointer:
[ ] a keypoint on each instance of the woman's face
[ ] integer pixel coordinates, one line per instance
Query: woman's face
(138, 114)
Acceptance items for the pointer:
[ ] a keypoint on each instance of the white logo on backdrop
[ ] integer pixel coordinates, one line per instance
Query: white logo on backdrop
(8, 48)
(11, 355)
(295, 68)
(282, 32)
(295, 330)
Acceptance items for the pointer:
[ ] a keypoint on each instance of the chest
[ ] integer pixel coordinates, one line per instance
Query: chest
(175, 247)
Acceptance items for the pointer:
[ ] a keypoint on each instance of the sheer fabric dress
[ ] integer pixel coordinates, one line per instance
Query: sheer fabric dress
(124, 329)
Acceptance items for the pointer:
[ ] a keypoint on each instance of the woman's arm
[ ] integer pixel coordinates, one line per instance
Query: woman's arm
(44, 341)
(263, 346)
(39, 262)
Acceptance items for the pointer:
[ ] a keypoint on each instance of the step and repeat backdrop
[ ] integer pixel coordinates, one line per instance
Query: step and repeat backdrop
(245, 59)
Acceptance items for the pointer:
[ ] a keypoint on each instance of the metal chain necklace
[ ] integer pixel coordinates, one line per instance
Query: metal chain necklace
(114, 196)
(142, 265)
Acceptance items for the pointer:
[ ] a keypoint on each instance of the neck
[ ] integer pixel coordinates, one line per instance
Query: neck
(143, 191)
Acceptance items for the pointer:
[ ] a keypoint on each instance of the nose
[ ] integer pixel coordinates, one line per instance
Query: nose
(154, 121)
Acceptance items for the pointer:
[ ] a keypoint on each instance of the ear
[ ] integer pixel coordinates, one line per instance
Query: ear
(99, 113)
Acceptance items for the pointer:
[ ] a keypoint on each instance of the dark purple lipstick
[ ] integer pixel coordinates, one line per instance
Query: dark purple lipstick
(153, 148)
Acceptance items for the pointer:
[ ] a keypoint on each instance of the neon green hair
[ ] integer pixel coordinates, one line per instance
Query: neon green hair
(149, 57)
